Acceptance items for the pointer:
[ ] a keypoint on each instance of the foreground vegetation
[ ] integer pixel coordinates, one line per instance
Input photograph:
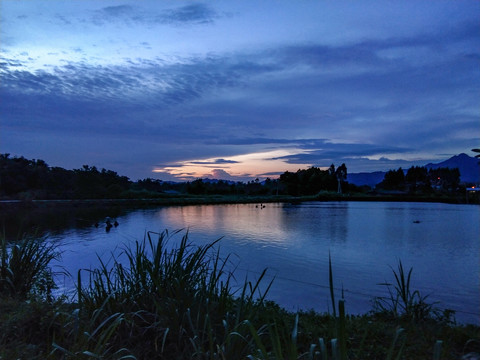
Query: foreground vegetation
(165, 298)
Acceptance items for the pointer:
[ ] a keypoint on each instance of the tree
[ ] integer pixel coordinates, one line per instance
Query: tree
(290, 180)
(312, 180)
(331, 170)
(341, 174)
(196, 187)
(417, 179)
(393, 180)
(444, 178)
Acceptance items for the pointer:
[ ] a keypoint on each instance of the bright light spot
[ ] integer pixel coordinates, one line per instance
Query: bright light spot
(240, 167)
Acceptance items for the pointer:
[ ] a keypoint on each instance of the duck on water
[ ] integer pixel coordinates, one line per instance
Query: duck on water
(108, 224)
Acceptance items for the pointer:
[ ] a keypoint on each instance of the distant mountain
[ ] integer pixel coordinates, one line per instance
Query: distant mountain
(468, 166)
(215, 181)
(364, 178)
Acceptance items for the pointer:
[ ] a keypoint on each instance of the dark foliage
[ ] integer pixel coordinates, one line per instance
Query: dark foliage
(25, 179)
(394, 180)
(420, 180)
(313, 180)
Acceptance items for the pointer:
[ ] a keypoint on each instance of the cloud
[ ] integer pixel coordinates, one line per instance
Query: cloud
(147, 81)
(194, 14)
(338, 152)
(325, 101)
(116, 14)
(118, 10)
(107, 97)
(138, 84)
(170, 165)
(386, 52)
(215, 162)
(383, 164)
(323, 57)
(261, 140)
(272, 173)
(189, 14)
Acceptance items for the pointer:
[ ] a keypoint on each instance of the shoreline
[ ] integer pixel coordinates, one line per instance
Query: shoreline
(221, 199)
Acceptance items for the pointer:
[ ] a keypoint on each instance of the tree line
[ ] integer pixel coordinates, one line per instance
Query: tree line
(26, 179)
(21, 178)
(421, 180)
(313, 180)
(309, 181)
(34, 179)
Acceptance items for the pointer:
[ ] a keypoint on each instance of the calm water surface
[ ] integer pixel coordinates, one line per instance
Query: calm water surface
(365, 239)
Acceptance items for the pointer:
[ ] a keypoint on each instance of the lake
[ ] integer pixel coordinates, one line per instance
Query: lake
(293, 241)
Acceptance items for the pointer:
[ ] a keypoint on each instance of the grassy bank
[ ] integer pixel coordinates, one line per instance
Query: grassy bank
(163, 200)
(186, 199)
(165, 298)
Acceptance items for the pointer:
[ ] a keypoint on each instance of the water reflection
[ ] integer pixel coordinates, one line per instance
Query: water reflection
(248, 221)
(51, 220)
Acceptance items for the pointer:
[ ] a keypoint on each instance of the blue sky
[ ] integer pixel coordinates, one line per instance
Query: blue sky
(178, 90)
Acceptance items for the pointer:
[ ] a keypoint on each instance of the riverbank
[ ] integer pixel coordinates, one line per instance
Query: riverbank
(168, 200)
(180, 303)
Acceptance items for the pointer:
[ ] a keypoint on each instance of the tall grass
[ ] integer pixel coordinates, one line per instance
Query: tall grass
(26, 301)
(165, 298)
(178, 297)
(402, 301)
(24, 267)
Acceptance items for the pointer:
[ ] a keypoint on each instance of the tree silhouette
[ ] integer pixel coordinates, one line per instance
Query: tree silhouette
(393, 180)
(341, 174)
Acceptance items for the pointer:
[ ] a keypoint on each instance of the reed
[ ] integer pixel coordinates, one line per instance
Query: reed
(330, 283)
(25, 268)
(165, 298)
(181, 295)
(402, 301)
(90, 338)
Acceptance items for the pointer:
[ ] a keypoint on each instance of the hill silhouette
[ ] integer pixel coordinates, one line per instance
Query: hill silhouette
(467, 165)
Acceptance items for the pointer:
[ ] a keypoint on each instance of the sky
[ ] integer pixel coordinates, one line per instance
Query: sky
(235, 90)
